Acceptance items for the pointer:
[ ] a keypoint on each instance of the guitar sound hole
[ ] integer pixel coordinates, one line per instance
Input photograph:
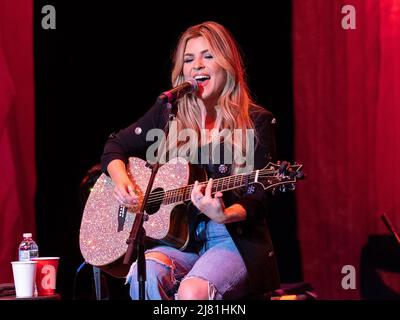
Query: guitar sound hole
(155, 200)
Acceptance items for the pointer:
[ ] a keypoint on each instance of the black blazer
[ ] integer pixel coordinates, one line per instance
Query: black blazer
(251, 236)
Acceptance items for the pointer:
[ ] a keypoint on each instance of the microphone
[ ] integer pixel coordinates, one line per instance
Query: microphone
(179, 91)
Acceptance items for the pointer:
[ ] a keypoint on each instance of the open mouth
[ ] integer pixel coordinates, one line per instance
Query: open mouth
(202, 78)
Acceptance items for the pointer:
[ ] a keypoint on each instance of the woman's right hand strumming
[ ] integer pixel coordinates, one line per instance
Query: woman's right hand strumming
(124, 190)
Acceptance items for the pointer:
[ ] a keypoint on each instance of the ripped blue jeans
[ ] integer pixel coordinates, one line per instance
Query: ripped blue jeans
(218, 262)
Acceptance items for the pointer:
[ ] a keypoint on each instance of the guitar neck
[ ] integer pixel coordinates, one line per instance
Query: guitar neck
(219, 185)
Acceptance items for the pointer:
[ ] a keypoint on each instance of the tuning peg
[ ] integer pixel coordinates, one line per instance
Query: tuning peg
(282, 188)
(273, 191)
(300, 175)
(283, 167)
(291, 187)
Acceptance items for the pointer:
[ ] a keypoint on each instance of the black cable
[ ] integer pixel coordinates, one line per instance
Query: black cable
(390, 227)
(75, 279)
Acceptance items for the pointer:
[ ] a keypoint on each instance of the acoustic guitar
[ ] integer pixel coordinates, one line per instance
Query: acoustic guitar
(106, 225)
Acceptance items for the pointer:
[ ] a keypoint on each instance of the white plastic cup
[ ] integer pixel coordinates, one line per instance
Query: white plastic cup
(24, 273)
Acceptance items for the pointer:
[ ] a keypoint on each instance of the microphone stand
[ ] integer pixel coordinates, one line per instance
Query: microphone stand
(138, 233)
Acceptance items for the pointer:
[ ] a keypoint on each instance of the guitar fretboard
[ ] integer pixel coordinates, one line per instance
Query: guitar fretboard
(222, 184)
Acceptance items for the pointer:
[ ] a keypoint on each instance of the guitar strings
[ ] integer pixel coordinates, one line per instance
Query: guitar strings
(160, 195)
(180, 191)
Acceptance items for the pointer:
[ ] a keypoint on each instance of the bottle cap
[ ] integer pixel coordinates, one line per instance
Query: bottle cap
(27, 235)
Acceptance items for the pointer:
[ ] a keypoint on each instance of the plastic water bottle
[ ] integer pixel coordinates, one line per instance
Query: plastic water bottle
(28, 248)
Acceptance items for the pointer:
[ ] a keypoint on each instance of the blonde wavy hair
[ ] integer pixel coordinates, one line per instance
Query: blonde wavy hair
(234, 101)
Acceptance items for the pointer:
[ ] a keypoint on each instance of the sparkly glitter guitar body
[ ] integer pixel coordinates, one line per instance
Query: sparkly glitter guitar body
(106, 225)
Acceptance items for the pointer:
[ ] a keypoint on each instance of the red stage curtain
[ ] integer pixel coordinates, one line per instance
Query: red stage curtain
(347, 118)
(17, 144)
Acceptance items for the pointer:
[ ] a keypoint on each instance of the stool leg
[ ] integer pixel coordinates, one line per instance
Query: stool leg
(97, 282)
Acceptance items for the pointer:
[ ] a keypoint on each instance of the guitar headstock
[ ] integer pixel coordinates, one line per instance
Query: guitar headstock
(281, 176)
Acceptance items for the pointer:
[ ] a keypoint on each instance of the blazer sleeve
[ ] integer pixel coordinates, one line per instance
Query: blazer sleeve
(131, 141)
(256, 202)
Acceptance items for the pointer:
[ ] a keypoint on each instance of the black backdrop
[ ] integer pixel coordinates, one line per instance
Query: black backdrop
(102, 67)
